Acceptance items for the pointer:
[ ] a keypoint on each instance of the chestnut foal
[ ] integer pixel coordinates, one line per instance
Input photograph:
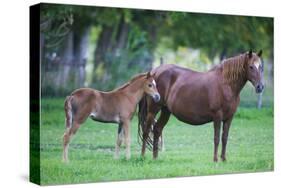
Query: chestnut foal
(117, 106)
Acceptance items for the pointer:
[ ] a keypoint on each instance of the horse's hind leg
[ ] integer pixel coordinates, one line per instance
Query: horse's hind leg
(157, 129)
(120, 136)
(226, 125)
(67, 137)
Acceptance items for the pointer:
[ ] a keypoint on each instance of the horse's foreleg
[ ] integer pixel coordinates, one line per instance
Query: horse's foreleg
(217, 127)
(157, 129)
(126, 126)
(120, 135)
(66, 139)
(226, 125)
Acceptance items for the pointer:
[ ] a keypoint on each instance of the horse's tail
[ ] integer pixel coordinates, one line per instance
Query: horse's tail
(142, 116)
(68, 112)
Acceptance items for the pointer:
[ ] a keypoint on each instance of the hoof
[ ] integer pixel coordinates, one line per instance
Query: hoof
(223, 158)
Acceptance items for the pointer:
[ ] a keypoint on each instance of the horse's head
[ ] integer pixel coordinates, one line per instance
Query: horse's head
(150, 87)
(254, 70)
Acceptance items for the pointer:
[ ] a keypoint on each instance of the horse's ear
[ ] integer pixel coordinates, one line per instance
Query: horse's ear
(250, 53)
(260, 53)
(148, 74)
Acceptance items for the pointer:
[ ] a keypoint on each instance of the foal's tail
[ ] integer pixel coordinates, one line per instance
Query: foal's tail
(142, 116)
(68, 112)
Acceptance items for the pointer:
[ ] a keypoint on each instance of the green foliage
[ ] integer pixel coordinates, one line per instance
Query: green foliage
(122, 64)
(55, 23)
(188, 152)
(146, 34)
(119, 73)
(217, 33)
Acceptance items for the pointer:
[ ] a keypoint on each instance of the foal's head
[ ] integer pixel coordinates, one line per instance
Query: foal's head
(150, 87)
(254, 70)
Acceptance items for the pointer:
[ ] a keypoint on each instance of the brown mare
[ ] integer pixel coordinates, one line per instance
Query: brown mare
(117, 106)
(197, 98)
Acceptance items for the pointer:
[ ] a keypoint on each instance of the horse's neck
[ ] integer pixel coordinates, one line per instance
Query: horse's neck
(237, 85)
(236, 88)
(134, 91)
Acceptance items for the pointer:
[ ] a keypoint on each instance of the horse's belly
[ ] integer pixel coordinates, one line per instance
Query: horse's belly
(98, 117)
(193, 119)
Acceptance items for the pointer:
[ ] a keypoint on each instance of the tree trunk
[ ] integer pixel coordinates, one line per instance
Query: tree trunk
(110, 46)
(66, 62)
(80, 56)
(270, 69)
(259, 101)
(223, 54)
(103, 45)
(121, 37)
(147, 57)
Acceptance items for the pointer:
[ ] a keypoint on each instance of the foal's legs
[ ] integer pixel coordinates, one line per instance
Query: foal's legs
(126, 125)
(217, 127)
(157, 130)
(67, 137)
(120, 135)
(226, 126)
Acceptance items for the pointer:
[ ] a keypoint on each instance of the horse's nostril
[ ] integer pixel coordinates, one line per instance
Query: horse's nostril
(259, 88)
(157, 98)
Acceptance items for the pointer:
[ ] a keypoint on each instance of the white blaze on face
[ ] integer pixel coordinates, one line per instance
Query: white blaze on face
(154, 83)
(257, 64)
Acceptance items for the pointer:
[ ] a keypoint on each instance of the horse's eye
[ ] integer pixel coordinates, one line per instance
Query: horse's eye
(251, 67)
(149, 85)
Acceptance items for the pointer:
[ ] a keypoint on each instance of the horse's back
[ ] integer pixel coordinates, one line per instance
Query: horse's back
(171, 68)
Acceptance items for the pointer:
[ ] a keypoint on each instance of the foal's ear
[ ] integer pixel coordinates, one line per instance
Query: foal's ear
(260, 53)
(250, 53)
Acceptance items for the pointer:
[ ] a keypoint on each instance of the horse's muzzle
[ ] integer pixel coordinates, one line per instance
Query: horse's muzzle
(156, 98)
(259, 88)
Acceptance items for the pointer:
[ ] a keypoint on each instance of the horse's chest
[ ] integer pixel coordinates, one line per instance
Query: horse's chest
(229, 108)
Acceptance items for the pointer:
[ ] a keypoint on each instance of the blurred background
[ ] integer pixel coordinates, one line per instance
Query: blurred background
(102, 48)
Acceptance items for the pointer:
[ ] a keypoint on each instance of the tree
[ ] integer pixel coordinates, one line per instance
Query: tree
(126, 41)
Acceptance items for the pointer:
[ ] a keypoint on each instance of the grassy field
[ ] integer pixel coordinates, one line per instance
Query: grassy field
(189, 150)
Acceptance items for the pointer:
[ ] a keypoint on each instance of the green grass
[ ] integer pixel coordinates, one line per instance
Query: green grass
(189, 149)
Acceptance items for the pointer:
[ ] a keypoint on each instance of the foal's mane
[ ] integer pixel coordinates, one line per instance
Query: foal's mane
(233, 68)
(138, 76)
